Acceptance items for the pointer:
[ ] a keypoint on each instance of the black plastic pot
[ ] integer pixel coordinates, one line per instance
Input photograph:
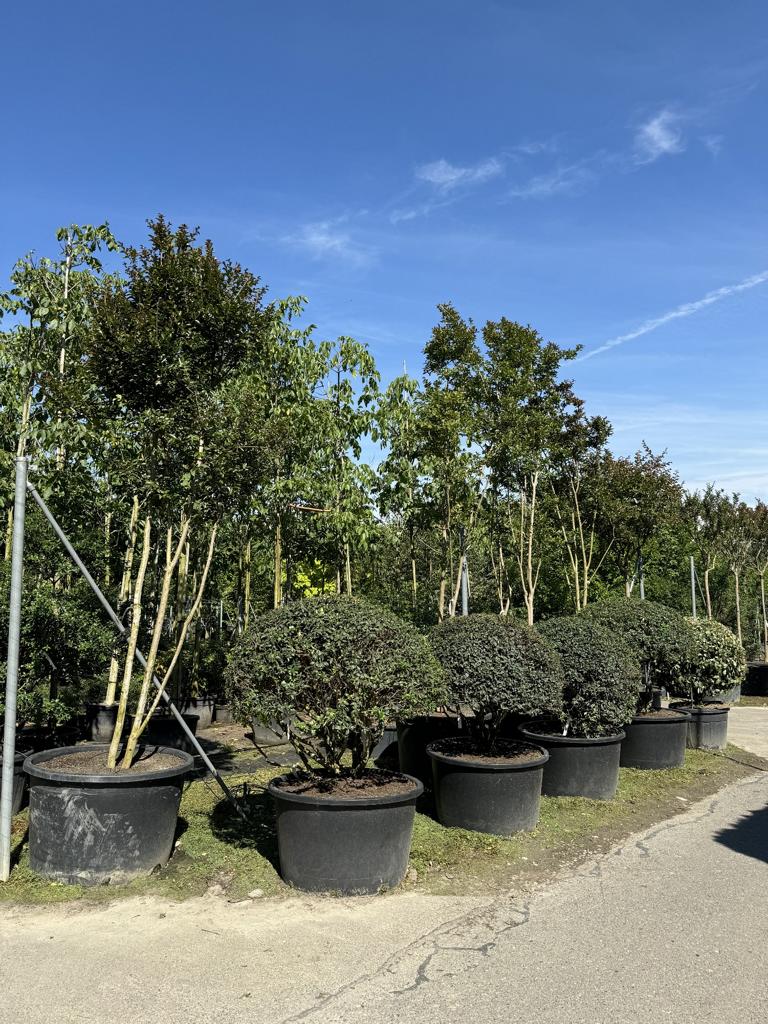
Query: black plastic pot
(100, 722)
(19, 780)
(94, 829)
(413, 737)
(164, 731)
(44, 737)
(707, 728)
(731, 696)
(756, 683)
(386, 750)
(347, 845)
(500, 797)
(268, 736)
(202, 707)
(653, 742)
(577, 766)
(222, 714)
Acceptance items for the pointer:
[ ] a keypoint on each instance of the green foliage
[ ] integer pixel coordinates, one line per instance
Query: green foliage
(657, 636)
(338, 669)
(494, 666)
(602, 679)
(715, 661)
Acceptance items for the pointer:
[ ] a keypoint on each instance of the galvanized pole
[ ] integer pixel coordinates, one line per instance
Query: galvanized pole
(138, 655)
(693, 587)
(12, 677)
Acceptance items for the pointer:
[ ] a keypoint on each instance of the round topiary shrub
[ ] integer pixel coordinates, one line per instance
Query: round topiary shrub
(337, 668)
(495, 666)
(715, 661)
(657, 636)
(602, 678)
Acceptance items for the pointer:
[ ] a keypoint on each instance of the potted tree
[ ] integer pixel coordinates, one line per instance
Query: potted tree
(715, 663)
(659, 639)
(339, 668)
(493, 666)
(602, 685)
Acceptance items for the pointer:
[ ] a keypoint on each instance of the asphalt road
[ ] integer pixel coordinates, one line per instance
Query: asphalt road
(673, 926)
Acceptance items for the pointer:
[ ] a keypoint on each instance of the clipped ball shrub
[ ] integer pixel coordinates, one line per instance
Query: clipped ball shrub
(495, 666)
(338, 669)
(715, 661)
(657, 636)
(602, 678)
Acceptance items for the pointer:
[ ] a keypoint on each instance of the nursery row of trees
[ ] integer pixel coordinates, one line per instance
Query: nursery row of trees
(212, 457)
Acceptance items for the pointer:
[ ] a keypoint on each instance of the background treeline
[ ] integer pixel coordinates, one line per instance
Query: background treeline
(188, 429)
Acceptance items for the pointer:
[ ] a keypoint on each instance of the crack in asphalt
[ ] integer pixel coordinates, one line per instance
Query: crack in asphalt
(493, 917)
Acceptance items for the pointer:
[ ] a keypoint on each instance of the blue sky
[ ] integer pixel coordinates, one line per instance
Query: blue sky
(588, 168)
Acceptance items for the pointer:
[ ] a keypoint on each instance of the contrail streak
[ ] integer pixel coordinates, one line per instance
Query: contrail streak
(687, 309)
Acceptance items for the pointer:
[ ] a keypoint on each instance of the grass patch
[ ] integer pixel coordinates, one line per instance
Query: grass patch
(753, 702)
(215, 848)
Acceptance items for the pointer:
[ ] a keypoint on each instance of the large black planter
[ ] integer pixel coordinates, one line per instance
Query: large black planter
(413, 737)
(577, 766)
(730, 696)
(273, 735)
(165, 731)
(203, 708)
(19, 781)
(222, 714)
(654, 742)
(100, 722)
(351, 846)
(707, 728)
(756, 683)
(94, 829)
(500, 797)
(386, 753)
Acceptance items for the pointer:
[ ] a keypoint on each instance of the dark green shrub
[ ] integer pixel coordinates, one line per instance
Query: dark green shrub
(495, 666)
(715, 661)
(657, 636)
(337, 668)
(602, 678)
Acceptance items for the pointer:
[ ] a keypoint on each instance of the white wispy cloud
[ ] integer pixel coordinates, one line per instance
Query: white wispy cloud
(327, 238)
(566, 178)
(661, 135)
(446, 176)
(714, 143)
(686, 309)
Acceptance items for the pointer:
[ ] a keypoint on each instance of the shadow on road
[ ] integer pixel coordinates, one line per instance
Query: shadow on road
(748, 836)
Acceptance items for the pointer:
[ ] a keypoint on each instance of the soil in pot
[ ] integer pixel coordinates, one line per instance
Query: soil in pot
(100, 722)
(655, 740)
(577, 766)
(89, 825)
(19, 780)
(498, 793)
(413, 737)
(708, 726)
(350, 836)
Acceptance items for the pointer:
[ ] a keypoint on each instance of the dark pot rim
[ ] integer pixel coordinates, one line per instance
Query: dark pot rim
(165, 716)
(558, 740)
(702, 709)
(488, 766)
(33, 766)
(679, 716)
(19, 757)
(363, 803)
(188, 701)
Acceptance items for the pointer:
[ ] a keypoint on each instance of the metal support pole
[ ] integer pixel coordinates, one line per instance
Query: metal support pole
(12, 677)
(693, 587)
(464, 586)
(139, 656)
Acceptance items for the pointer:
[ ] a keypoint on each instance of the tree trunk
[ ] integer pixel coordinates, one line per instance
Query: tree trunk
(707, 598)
(347, 569)
(765, 617)
(277, 590)
(736, 576)
(247, 585)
